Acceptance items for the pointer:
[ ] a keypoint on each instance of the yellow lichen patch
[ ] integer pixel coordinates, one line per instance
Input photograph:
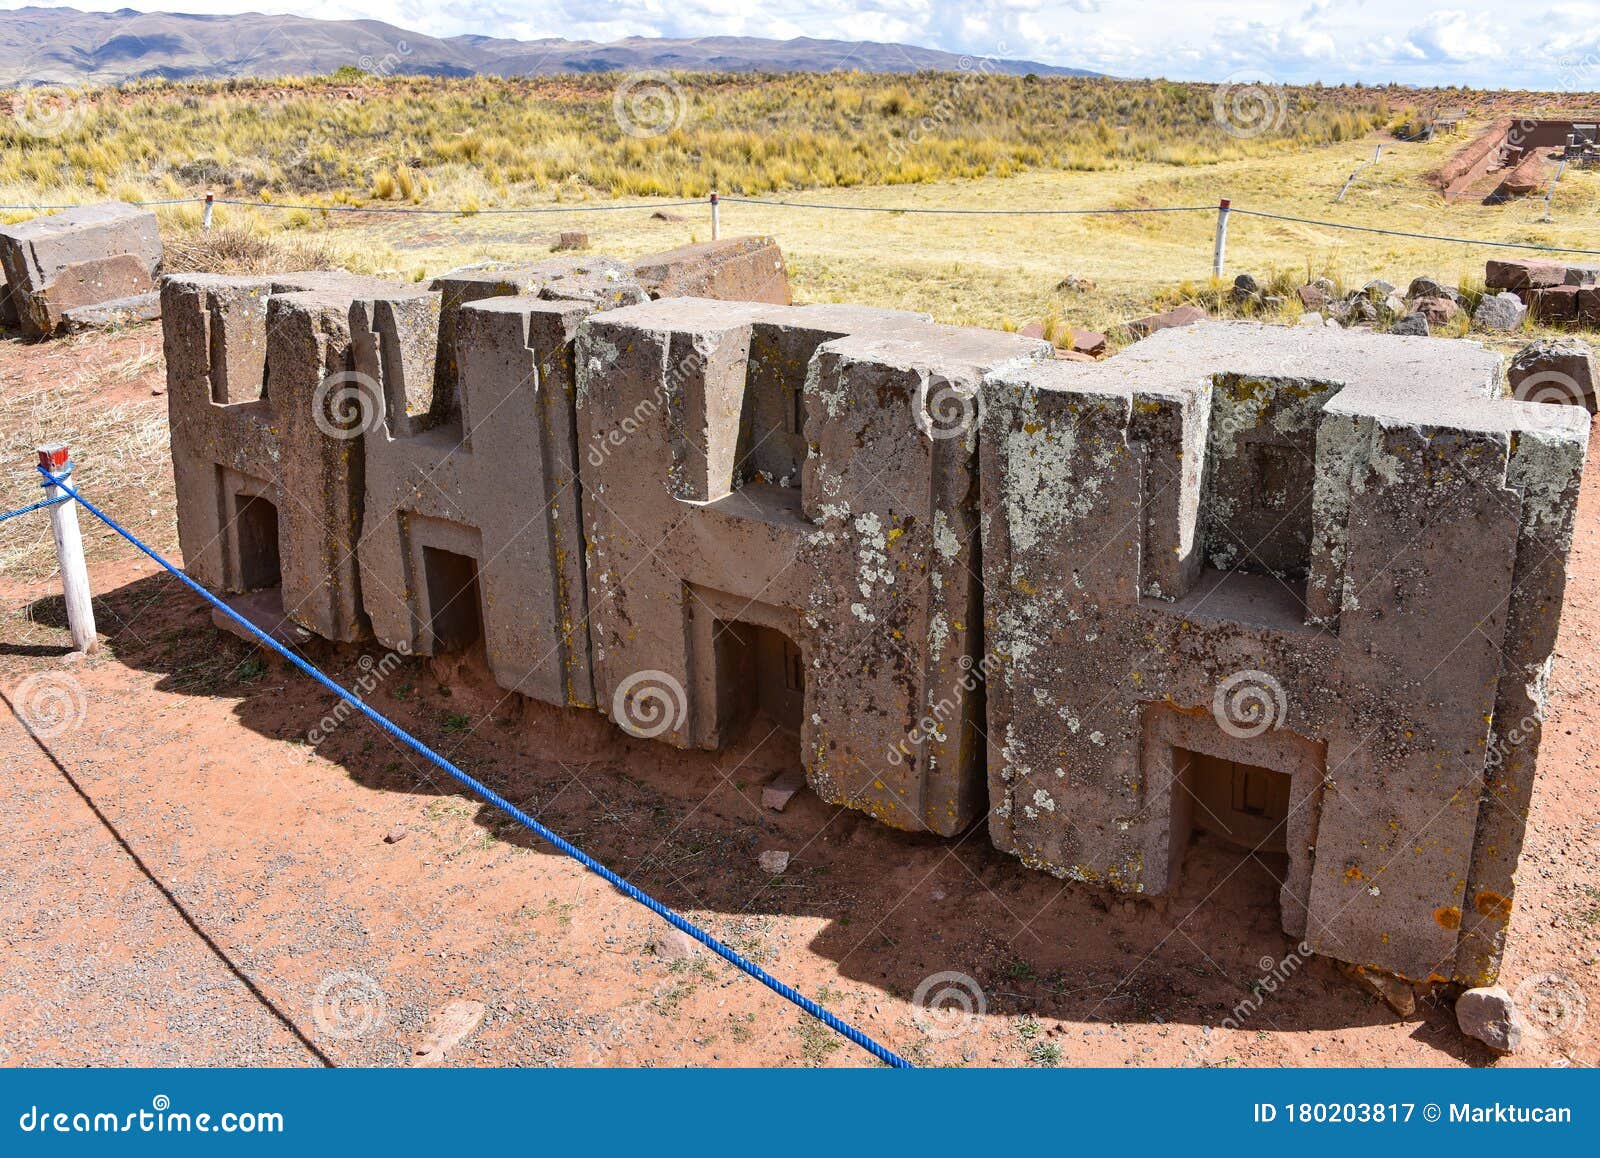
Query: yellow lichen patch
(1448, 917)
(1353, 873)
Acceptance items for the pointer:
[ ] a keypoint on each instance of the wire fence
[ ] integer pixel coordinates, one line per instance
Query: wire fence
(1221, 209)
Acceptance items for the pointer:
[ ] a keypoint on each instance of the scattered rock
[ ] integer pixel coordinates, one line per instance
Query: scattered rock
(1170, 320)
(1558, 370)
(570, 239)
(263, 609)
(447, 1029)
(1309, 319)
(1395, 992)
(1090, 342)
(1073, 284)
(774, 861)
(663, 215)
(1412, 325)
(1501, 311)
(1313, 296)
(1491, 1016)
(1523, 274)
(1377, 289)
(396, 834)
(675, 944)
(1438, 310)
(1032, 330)
(1271, 302)
(1427, 287)
(777, 792)
(1245, 288)
(1073, 356)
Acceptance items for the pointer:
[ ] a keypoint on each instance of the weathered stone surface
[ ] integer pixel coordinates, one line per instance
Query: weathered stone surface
(1169, 320)
(1554, 306)
(78, 257)
(1090, 342)
(144, 307)
(1242, 547)
(1412, 325)
(780, 512)
(1523, 274)
(1556, 370)
(1313, 297)
(1489, 1015)
(499, 459)
(738, 269)
(1502, 312)
(266, 417)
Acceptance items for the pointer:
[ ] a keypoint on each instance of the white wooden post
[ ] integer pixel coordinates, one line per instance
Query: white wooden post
(716, 217)
(211, 204)
(57, 459)
(1221, 251)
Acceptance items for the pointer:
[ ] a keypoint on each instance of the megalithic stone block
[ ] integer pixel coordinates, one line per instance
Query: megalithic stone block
(753, 474)
(488, 475)
(266, 414)
(78, 257)
(1294, 589)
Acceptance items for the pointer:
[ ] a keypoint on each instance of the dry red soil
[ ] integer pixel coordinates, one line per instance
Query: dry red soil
(191, 878)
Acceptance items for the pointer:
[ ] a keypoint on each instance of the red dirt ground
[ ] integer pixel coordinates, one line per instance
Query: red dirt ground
(190, 879)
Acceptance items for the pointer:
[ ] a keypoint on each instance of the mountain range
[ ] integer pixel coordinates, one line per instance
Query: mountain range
(66, 46)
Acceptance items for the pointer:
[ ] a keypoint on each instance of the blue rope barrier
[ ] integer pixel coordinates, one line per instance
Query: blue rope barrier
(39, 506)
(733, 957)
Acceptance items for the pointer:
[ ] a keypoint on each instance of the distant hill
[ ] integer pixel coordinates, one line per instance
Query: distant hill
(63, 45)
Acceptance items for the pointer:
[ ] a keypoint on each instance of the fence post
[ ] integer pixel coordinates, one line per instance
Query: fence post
(716, 217)
(205, 220)
(57, 459)
(1220, 253)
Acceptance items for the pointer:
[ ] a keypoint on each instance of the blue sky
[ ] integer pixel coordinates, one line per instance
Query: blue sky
(1535, 45)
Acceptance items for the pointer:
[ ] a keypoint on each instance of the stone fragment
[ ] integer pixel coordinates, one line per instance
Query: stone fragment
(1313, 297)
(1489, 1015)
(570, 239)
(778, 791)
(1414, 325)
(1502, 312)
(1427, 287)
(145, 307)
(1090, 342)
(1246, 288)
(1554, 306)
(1438, 310)
(1523, 274)
(396, 834)
(774, 861)
(1395, 992)
(1168, 320)
(264, 611)
(448, 1028)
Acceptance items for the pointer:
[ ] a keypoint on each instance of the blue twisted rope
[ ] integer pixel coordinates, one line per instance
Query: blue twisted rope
(881, 1052)
(41, 505)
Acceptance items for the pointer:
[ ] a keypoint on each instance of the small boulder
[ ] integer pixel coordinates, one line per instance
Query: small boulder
(1313, 296)
(1412, 325)
(1557, 370)
(571, 239)
(1245, 288)
(1502, 312)
(674, 945)
(1032, 330)
(1073, 284)
(1427, 287)
(774, 861)
(1437, 310)
(1377, 289)
(1491, 1016)
(778, 791)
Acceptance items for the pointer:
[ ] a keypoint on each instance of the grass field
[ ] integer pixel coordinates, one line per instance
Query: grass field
(926, 142)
